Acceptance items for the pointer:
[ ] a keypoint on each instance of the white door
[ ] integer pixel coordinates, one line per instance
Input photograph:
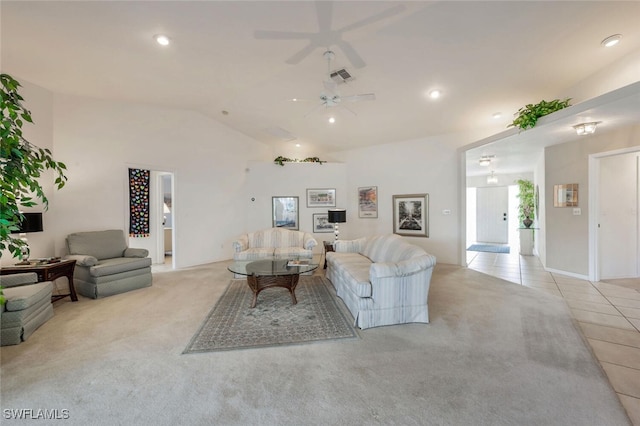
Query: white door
(492, 214)
(617, 216)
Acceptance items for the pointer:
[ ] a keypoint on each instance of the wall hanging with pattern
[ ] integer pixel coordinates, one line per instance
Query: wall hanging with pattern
(139, 202)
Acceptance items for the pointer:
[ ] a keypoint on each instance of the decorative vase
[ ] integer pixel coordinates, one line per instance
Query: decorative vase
(527, 222)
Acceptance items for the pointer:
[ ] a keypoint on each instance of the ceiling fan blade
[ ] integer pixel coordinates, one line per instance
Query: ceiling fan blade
(324, 12)
(281, 35)
(360, 97)
(314, 109)
(351, 53)
(348, 109)
(374, 18)
(301, 54)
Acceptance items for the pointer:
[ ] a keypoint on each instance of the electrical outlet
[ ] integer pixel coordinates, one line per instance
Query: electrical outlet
(446, 211)
(577, 211)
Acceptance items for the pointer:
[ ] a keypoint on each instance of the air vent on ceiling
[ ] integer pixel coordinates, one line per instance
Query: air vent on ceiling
(341, 76)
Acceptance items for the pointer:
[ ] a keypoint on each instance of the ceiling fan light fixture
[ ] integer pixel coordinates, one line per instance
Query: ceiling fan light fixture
(435, 94)
(611, 40)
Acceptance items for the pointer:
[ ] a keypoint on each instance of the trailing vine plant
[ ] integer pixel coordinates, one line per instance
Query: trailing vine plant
(528, 115)
(280, 160)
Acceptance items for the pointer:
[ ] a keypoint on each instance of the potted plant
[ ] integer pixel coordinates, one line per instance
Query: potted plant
(528, 115)
(281, 160)
(526, 208)
(22, 164)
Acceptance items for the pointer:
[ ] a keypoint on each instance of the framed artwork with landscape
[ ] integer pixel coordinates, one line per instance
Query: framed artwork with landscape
(285, 212)
(411, 215)
(368, 202)
(325, 197)
(321, 223)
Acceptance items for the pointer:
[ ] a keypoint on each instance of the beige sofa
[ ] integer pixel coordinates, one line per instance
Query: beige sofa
(274, 242)
(383, 280)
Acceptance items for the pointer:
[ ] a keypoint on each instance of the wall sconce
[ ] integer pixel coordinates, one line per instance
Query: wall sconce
(586, 128)
(485, 160)
(491, 179)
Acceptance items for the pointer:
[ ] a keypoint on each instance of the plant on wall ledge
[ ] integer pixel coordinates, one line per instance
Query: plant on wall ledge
(281, 160)
(22, 164)
(526, 208)
(528, 115)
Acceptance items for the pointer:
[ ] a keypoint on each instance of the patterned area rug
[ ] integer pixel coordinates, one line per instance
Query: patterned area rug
(488, 248)
(232, 324)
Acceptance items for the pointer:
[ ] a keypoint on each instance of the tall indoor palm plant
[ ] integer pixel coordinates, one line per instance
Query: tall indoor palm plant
(22, 164)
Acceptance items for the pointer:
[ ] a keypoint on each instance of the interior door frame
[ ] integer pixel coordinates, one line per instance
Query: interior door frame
(594, 202)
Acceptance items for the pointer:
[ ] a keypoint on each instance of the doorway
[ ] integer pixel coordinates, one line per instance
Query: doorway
(166, 238)
(616, 231)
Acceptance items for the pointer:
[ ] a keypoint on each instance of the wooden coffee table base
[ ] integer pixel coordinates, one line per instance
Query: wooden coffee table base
(260, 282)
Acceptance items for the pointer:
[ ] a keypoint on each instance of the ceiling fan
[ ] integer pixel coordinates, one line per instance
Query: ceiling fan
(326, 37)
(331, 97)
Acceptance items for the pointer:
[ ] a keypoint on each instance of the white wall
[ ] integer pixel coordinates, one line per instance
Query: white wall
(266, 180)
(567, 235)
(410, 167)
(99, 140)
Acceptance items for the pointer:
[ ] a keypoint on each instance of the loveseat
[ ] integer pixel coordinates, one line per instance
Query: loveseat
(105, 265)
(28, 306)
(383, 279)
(274, 242)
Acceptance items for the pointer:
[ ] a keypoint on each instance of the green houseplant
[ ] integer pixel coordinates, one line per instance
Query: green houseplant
(526, 208)
(528, 115)
(280, 160)
(22, 164)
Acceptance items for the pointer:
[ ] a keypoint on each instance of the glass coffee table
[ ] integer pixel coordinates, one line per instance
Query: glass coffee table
(267, 273)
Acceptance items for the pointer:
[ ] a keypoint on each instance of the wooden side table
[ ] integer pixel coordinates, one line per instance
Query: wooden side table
(48, 272)
(328, 246)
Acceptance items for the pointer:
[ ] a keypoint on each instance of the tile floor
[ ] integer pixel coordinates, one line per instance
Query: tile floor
(607, 312)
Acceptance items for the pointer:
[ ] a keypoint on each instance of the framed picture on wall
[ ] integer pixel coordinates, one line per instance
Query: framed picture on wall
(368, 202)
(321, 197)
(321, 223)
(285, 212)
(411, 215)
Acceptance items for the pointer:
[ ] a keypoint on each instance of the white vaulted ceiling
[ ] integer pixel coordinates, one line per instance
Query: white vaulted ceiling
(239, 57)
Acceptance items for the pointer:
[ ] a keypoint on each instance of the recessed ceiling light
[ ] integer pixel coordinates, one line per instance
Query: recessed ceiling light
(332, 120)
(297, 145)
(611, 40)
(497, 115)
(435, 94)
(161, 39)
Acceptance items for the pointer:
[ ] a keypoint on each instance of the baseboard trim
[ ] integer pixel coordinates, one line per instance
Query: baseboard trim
(569, 274)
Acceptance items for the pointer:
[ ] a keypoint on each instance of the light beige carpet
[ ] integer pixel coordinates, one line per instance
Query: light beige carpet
(494, 354)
